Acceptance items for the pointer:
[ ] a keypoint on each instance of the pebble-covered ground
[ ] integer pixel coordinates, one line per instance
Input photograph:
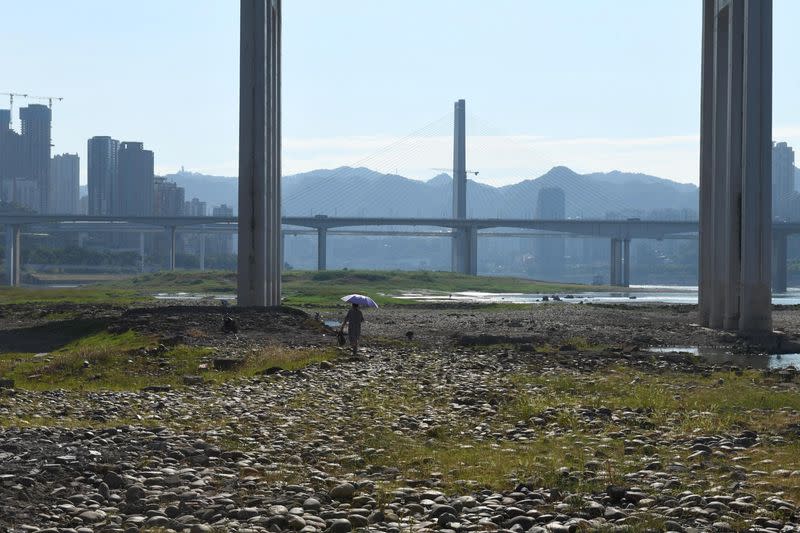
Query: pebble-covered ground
(543, 419)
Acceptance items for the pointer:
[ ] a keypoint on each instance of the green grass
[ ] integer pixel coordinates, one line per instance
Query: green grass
(320, 289)
(464, 465)
(179, 281)
(300, 288)
(685, 402)
(90, 294)
(130, 361)
(679, 405)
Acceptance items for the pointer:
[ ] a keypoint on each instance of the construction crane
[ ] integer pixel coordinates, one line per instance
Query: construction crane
(11, 103)
(48, 98)
(474, 172)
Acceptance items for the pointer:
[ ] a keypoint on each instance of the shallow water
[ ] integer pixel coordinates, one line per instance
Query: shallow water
(192, 296)
(720, 356)
(642, 293)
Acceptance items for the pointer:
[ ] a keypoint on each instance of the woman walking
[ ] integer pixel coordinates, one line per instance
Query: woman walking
(354, 319)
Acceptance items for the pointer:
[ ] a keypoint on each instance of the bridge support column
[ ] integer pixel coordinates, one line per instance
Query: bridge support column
(626, 263)
(615, 275)
(171, 231)
(13, 257)
(141, 252)
(472, 242)
(706, 226)
(779, 281)
(735, 166)
(322, 249)
(202, 252)
(283, 250)
(259, 267)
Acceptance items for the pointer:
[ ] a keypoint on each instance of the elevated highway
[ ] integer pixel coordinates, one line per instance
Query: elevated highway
(619, 232)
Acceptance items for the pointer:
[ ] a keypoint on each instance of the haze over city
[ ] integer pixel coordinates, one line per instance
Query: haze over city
(577, 83)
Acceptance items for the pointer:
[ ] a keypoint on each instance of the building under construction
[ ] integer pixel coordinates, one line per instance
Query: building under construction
(25, 158)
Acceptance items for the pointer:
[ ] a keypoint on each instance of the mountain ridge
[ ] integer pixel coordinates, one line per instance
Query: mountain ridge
(348, 191)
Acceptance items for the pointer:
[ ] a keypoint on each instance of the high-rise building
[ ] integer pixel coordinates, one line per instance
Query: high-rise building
(221, 243)
(10, 157)
(9, 147)
(136, 180)
(195, 208)
(782, 179)
(25, 158)
(36, 123)
(22, 192)
(549, 251)
(222, 211)
(64, 191)
(169, 199)
(102, 175)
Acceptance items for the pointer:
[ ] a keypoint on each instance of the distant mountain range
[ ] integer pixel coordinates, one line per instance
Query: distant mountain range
(349, 191)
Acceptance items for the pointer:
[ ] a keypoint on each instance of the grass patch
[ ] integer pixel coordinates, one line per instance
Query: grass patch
(687, 403)
(300, 288)
(130, 361)
(321, 289)
(87, 294)
(178, 281)
(274, 356)
(464, 466)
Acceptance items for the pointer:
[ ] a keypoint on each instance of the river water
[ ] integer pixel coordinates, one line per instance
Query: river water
(720, 357)
(637, 293)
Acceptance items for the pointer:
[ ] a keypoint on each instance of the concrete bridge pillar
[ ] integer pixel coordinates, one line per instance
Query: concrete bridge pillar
(283, 249)
(141, 252)
(202, 252)
(779, 276)
(322, 249)
(259, 266)
(171, 230)
(472, 241)
(615, 275)
(735, 166)
(626, 263)
(13, 257)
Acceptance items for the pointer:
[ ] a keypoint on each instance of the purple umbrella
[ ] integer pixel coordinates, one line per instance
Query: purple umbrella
(360, 299)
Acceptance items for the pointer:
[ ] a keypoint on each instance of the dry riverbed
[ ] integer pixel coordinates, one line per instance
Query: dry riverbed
(544, 418)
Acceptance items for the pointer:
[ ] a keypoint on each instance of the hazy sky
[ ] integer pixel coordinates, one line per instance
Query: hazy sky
(594, 85)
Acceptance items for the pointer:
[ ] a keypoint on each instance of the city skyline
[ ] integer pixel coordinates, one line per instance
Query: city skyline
(548, 85)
